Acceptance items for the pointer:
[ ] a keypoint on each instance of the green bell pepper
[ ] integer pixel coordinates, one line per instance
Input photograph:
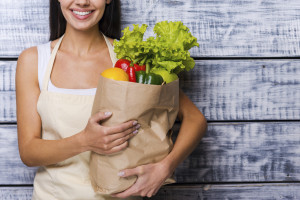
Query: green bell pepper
(148, 78)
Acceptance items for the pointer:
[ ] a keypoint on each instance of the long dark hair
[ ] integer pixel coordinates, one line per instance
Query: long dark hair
(110, 24)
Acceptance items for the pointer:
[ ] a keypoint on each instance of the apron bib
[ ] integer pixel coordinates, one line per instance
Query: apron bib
(64, 115)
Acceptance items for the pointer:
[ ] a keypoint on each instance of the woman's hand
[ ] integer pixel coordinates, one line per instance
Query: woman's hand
(150, 178)
(108, 140)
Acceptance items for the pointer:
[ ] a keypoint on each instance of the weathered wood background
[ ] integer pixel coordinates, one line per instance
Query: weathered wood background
(246, 82)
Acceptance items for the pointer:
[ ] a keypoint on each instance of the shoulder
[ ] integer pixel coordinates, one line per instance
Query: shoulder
(27, 64)
(28, 56)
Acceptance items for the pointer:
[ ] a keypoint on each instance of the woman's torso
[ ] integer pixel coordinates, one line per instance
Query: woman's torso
(63, 112)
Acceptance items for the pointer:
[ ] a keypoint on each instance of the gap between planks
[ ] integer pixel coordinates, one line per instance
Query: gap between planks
(203, 58)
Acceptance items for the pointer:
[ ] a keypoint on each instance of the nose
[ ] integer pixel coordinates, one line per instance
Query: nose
(82, 2)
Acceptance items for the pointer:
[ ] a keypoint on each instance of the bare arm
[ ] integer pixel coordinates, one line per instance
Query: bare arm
(193, 128)
(35, 151)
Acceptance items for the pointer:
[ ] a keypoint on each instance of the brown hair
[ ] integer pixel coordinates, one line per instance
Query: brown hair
(110, 24)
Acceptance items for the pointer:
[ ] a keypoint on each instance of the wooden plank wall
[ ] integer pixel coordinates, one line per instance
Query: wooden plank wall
(246, 82)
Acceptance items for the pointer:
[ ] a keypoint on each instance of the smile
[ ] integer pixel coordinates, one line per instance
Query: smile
(82, 13)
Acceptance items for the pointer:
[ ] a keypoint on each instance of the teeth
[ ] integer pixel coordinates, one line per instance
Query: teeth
(81, 13)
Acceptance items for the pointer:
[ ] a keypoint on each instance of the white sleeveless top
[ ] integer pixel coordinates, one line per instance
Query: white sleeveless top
(44, 53)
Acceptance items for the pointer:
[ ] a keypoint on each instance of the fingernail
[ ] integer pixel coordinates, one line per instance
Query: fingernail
(135, 132)
(138, 126)
(107, 113)
(134, 123)
(121, 173)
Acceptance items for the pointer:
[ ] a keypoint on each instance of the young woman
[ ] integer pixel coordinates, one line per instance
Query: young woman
(55, 88)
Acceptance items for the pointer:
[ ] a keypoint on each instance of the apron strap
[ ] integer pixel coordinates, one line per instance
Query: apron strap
(50, 65)
(53, 55)
(112, 54)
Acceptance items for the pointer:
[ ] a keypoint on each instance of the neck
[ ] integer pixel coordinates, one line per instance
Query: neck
(82, 42)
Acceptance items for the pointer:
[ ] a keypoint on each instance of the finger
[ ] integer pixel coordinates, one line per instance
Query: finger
(150, 193)
(132, 191)
(117, 148)
(121, 140)
(128, 134)
(99, 116)
(122, 127)
(130, 172)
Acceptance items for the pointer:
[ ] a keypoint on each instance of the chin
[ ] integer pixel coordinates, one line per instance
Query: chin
(84, 27)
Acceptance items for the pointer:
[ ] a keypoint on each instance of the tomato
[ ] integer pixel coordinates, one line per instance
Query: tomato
(122, 64)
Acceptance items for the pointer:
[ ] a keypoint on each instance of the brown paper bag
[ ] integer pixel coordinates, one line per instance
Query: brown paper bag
(155, 107)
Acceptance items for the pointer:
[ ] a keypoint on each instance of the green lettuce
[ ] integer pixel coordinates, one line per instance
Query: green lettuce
(131, 45)
(169, 50)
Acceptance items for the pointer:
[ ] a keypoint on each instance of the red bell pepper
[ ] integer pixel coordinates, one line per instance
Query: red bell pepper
(123, 64)
(139, 67)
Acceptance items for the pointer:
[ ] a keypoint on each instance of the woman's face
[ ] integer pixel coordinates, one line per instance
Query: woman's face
(83, 14)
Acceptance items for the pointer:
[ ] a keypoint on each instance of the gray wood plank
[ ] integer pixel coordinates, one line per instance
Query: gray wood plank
(263, 191)
(230, 152)
(12, 169)
(244, 152)
(7, 75)
(223, 28)
(245, 89)
(227, 28)
(7, 91)
(221, 89)
(237, 191)
(23, 24)
(16, 193)
(7, 107)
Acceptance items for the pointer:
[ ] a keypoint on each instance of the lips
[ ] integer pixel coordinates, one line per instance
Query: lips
(81, 14)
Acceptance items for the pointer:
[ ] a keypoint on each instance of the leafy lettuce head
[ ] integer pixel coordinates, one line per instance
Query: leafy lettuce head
(173, 40)
(131, 45)
(168, 50)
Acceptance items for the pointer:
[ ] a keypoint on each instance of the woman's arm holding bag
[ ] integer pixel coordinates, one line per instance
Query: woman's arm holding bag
(34, 150)
(152, 176)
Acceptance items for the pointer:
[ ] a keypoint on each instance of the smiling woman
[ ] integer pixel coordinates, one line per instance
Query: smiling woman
(55, 90)
(55, 87)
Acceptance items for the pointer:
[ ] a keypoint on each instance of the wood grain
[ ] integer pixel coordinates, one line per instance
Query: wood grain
(221, 89)
(266, 191)
(12, 170)
(244, 152)
(7, 75)
(16, 193)
(223, 28)
(245, 89)
(7, 91)
(24, 23)
(230, 152)
(227, 28)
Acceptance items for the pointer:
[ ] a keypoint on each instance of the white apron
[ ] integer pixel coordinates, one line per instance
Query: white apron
(64, 115)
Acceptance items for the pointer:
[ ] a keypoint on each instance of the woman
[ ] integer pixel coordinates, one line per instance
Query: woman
(55, 88)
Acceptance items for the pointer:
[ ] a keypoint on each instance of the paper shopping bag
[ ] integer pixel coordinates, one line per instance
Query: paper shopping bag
(155, 107)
